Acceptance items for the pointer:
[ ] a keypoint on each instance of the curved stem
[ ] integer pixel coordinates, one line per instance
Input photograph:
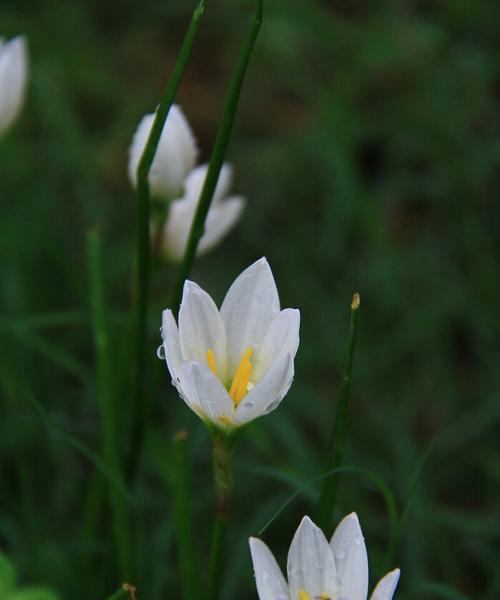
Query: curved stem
(217, 158)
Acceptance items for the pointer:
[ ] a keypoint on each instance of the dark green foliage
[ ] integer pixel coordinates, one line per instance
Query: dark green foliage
(367, 145)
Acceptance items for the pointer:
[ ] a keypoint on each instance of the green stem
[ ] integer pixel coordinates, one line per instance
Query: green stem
(217, 158)
(126, 591)
(180, 489)
(120, 516)
(338, 431)
(139, 403)
(223, 484)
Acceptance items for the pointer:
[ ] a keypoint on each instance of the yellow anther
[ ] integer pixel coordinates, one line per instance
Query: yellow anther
(241, 378)
(303, 595)
(225, 419)
(212, 365)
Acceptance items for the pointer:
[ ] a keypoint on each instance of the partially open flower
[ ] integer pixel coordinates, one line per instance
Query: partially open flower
(175, 156)
(223, 214)
(318, 570)
(232, 366)
(13, 76)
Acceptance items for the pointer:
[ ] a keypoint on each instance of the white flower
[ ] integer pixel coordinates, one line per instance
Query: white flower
(222, 215)
(13, 76)
(235, 365)
(318, 570)
(175, 156)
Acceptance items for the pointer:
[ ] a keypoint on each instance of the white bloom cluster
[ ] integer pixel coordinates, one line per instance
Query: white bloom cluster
(174, 177)
(13, 76)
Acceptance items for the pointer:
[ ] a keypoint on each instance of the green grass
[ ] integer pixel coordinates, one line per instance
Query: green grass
(367, 145)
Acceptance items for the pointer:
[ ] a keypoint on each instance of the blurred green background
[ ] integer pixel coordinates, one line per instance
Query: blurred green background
(367, 144)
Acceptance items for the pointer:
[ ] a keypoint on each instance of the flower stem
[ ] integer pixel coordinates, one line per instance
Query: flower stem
(126, 591)
(139, 404)
(223, 483)
(180, 489)
(339, 427)
(121, 525)
(217, 157)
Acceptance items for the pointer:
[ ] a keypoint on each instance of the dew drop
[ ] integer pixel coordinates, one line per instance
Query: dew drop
(339, 554)
(160, 352)
(248, 404)
(358, 539)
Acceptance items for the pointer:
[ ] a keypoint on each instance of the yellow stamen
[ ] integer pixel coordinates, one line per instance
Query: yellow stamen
(225, 419)
(303, 595)
(241, 378)
(212, 365)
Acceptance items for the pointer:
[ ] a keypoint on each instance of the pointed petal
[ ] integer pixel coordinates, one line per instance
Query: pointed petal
(311, 566)
(268, 393)
(201, 328)
(176, 229)
(250, 305)
(171, 342)
(349, 551)
(386, 586)
(204, 393)
(221, 219)
(271, 584)
(281, 338)
(13, 78)
(174, 158)
(195, 180)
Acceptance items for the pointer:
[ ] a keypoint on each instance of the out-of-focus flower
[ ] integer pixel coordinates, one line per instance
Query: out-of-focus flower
(318, 570)
(175, 156)
(232, 366)
(223, 214)
(13, 76)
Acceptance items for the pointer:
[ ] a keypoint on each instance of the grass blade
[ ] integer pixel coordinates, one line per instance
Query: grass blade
(217, 157)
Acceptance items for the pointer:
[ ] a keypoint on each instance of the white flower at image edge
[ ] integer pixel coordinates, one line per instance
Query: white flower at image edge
(233, 365)
(318, 570)
(175, 155)
(13, 76)
(223, 214)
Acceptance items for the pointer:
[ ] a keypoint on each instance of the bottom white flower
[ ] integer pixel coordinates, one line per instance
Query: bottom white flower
(318, 570)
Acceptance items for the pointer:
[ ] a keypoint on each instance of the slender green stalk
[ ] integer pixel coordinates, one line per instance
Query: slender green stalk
(217, 157)
(336, 446)
(180, 490)
(126, 591)
(120, 516)
(139, 404)
(223, 484)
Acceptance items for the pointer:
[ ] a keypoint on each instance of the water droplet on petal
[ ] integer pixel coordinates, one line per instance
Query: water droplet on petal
(248, 405)
(358, 539)
(339, 553)
(160, 352)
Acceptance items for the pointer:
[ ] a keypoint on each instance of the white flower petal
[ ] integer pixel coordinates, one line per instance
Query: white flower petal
(386, 586)
(13, 76)
(250, 305)
(174, 158)
(204, 393)
(195, 180)
(171, 343)
(177, 228)
(271, 584)
(311, 566)
(349, 551)
(221, 219)
(201, 328)
(268, 393)
(281, 338)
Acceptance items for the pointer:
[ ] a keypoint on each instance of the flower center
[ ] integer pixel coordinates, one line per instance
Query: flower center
(241, 379)
(303, 595)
